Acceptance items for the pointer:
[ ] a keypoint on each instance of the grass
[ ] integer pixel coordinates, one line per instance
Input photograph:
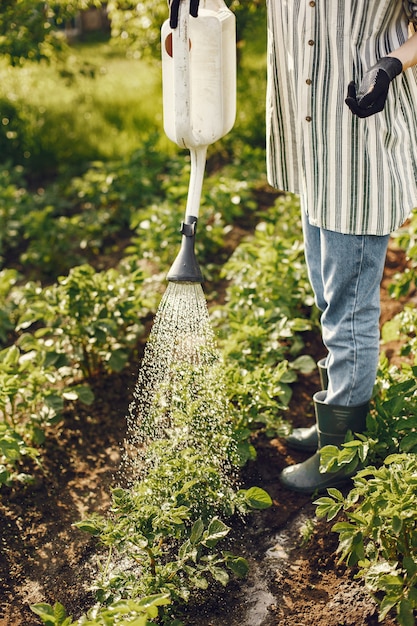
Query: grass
(95, 105)
(100, 103)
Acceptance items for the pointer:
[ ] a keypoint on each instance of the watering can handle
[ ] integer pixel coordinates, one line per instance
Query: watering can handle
(181, 57)
(174, 7)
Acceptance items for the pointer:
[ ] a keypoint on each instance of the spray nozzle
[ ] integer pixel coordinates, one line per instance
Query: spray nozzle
(185, 267)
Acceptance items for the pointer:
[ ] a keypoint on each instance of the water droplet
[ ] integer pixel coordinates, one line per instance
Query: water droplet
(180, 394)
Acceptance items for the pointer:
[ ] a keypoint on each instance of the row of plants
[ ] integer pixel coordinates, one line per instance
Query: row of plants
(74, 321)
(378, 537)
(131, 206)
(72, 203)
(159, 542)
(377, 518)
(76, 318)
(80, 320)
(259, 332)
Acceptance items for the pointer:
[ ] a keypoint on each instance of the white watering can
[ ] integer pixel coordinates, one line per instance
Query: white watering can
(199, 102)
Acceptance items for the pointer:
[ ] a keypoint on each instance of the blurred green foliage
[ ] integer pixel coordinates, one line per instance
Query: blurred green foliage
(29, 29)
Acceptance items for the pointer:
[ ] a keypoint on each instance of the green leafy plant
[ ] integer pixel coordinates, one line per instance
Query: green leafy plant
(28, 29)
(380, 536)
(160, 548)
(8, 306)
(260, 327)
(390, 426)
(137, 613)
(162, 533)
(402, 327)
(406, 238)
(52, 616)
(32, 395)
(93, 319)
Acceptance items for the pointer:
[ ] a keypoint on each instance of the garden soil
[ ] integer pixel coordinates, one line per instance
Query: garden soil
(44, 558)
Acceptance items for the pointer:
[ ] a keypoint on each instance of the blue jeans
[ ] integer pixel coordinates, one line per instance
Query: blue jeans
(345, 272)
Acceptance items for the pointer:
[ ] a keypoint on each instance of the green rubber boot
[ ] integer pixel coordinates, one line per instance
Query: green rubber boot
(307, 439)
(333, 423)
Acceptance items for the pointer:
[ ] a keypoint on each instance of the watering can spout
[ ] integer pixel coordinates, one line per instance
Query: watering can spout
(185, 267)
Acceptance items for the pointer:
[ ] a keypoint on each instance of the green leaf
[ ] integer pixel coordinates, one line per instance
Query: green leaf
(38, 436)
(409, 443)
(10, 356)
(45, 612)
(220, 575)
(327, 507)
(336, 494)
(4, 475)
(157, 599)
(386, 606)
(117, 360)
(304, 364)
(257, 498)
(329, 456)
(217, 530)
(197, 531)
(411, 566)
(55, 402)
(397, 524)
(88, 526)
(200, 582)
(52, 616)
(391, 330)
(405, 613)
(84, 394)
(343, 527)
(412, 595)
(238, 565)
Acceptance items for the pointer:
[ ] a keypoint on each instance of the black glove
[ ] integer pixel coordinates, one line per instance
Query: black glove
(373, 90)
(174, 6)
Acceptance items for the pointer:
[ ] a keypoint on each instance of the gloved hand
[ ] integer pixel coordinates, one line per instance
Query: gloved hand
(373, 90)
(174, 6)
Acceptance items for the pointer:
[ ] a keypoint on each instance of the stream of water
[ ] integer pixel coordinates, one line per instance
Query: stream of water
(179, 395)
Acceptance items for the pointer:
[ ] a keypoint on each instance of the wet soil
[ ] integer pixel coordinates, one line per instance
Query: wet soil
(44, 558)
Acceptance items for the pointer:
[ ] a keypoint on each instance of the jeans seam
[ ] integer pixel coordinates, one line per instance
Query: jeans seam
(354, 309)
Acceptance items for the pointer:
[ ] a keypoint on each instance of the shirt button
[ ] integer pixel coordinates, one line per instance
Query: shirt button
(312, 3)
(308, 118)
(311, 42)
(309, 81)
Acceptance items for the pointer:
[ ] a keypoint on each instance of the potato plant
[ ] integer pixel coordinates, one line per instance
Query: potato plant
(8, 306)
(91, 319)
(74, 319)
(32, 395)
(380, 534)
(268, 304)
(402, 327)
(390, 426)
(406, 238)
(162, 533)
(57, 338)
(378, 521)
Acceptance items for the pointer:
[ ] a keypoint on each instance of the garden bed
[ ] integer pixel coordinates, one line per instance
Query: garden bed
(45, 559)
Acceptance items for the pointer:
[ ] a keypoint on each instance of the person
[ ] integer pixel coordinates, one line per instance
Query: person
(352, 158)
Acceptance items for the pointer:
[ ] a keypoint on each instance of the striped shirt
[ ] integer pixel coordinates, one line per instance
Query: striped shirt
(354, 176)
